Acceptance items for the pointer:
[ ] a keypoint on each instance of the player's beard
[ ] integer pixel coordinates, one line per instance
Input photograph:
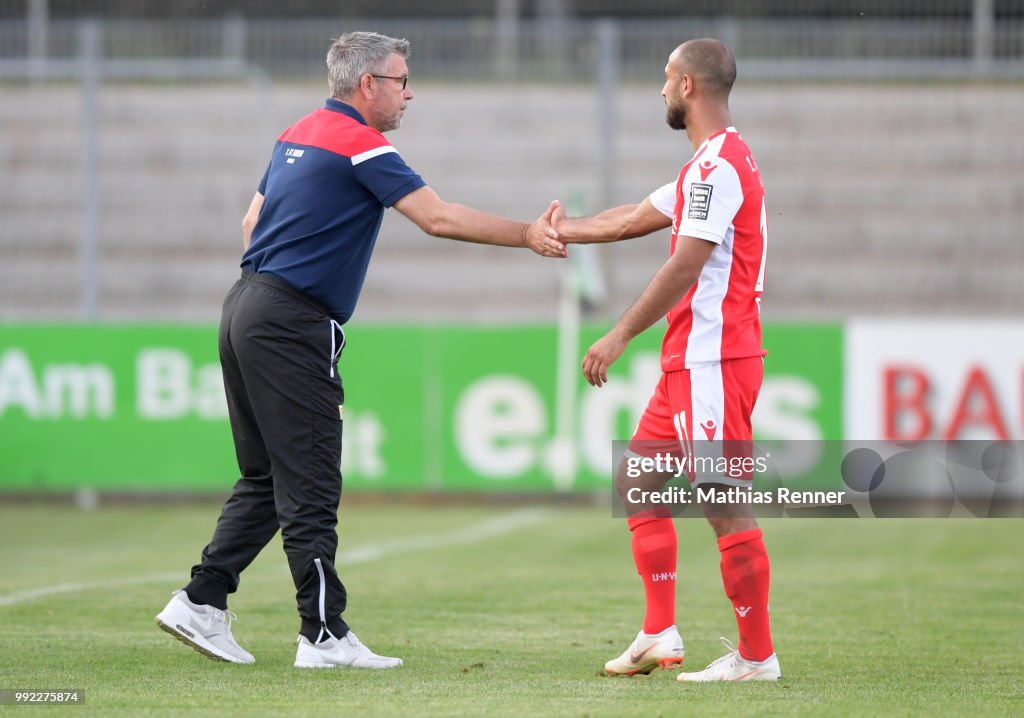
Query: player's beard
(675, 116)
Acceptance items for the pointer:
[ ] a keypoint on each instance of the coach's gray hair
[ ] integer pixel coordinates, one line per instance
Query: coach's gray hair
(356, 53)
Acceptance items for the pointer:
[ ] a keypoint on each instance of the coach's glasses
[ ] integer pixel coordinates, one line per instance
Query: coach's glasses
(404, 79)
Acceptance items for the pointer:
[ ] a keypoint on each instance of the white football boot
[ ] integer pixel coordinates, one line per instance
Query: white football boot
(733, 667)
(345, 652)
(204, 628)
(647, 652)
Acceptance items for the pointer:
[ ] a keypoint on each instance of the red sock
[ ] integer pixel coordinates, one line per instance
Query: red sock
(746, 574)
(654, 551)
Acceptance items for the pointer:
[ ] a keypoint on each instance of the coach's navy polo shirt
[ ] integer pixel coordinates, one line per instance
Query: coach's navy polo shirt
(329, 180)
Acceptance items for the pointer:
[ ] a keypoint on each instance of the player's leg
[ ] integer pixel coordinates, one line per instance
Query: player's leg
(653, 538)
(723, 396)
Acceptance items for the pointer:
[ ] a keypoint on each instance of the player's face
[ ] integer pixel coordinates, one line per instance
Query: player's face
(391, 100)
(675, 106)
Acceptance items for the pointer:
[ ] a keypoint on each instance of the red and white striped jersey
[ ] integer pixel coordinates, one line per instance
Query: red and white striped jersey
(718, 197)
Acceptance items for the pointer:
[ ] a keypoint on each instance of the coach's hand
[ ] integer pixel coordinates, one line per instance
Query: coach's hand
(558, 215)
(542, 237)
(602, 354)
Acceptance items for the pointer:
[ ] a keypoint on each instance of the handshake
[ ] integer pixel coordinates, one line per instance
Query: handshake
(543, 237)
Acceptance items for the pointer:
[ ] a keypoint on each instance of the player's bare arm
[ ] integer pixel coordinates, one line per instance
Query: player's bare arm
(664, 291)
(455, 221)
(626, 222)
(249, 220)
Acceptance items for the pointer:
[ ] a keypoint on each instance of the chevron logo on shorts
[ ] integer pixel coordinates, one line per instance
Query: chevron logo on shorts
(709, 427)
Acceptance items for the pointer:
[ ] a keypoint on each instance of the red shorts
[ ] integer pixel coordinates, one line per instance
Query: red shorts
(704, 412)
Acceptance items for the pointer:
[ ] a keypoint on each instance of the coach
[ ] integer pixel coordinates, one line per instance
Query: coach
(308, 237)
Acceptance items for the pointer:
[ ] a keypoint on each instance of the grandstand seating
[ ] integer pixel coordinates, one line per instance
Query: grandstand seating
(882, 198)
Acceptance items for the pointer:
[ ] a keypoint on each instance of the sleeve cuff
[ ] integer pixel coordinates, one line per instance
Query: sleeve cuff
(408, 188)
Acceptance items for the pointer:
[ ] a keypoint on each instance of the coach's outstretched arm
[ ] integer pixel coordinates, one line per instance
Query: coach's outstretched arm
(612, 225)
(455, 221)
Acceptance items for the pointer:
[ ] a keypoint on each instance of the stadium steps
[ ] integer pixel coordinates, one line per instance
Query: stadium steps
(883, 199)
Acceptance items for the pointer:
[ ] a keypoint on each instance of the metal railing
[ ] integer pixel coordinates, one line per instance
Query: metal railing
(600, 54)
(529, 50)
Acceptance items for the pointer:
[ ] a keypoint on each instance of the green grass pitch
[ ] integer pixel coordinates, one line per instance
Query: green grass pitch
(512, 612)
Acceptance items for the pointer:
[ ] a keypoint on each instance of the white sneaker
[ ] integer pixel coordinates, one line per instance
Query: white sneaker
(205, 628)
(345, 652)
(733, 667)
(647, 652)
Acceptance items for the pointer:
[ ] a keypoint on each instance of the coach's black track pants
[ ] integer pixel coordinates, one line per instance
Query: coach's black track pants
(278, 352)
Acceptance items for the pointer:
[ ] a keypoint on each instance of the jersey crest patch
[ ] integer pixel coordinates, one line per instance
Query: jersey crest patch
(699, 203)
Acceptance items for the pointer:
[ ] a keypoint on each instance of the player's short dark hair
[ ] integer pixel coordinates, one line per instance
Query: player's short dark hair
(711, 63)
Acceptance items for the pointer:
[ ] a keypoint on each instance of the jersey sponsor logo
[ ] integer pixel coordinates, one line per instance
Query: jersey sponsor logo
(706, 168)
(709, 427)
(699, 204)
(293, 154)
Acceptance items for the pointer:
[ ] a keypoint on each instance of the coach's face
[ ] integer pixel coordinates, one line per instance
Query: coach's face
(672, 91)
(391, 95)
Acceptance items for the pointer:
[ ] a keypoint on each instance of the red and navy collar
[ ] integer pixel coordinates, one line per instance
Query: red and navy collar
(336, 105)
